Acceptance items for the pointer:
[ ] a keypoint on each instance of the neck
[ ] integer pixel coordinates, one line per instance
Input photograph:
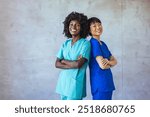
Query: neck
(97, 37)
(75, 38)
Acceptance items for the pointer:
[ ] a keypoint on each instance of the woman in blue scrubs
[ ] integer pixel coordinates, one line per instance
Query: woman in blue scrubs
(73, 58)
(101, 61)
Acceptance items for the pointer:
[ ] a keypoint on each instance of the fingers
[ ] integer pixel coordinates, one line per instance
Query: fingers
(79, 57)
(105, 62)
(63, 61)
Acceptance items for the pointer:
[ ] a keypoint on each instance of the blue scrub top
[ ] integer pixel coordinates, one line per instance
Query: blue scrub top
(72, 82)
(100, 79)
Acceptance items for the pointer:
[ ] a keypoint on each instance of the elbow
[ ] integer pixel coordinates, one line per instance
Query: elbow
(56, 64)
(116, 62)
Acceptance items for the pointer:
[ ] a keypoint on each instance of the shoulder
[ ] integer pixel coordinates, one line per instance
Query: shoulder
(94, 42)
(66, 42)
(104, 43)
(84, 41)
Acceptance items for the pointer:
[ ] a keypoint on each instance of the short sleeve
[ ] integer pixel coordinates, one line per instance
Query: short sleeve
(60, 52)
(95, 49)
(110, 54)
(86, 50)
(108, 51)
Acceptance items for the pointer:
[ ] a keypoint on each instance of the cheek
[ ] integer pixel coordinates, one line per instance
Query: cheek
(78, 27)
(91, 30)
(69, 27)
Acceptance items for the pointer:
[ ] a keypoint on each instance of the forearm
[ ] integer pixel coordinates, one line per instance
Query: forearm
(59, 64)
(75, 63)
(106, 67)
(62, 66)
(102, 62)
(72, 64)
(112, 63)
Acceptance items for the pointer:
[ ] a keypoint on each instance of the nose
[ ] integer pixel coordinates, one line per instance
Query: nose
(74, 26)
(98, 27)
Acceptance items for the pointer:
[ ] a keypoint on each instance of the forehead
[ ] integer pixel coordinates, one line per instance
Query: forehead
(74, 21)
(95, 23)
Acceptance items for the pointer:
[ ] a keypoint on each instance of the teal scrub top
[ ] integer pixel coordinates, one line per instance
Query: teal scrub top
(72, 82)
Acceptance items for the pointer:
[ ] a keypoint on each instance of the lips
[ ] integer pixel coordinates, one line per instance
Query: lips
(73, 30)
(98, 31)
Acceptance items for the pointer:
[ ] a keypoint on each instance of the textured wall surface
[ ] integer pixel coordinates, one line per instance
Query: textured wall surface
(31, 35)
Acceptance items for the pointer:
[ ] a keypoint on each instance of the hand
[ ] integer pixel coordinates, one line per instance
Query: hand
(105, 61)
(79, 57)
(66, 62)
(63, 61)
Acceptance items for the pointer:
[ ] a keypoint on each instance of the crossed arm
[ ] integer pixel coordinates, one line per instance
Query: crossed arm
(105, 63)
(68, 64)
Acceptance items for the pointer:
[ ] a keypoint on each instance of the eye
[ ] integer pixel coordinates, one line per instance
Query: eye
(93, 25)
(71, 24)
(99, 24)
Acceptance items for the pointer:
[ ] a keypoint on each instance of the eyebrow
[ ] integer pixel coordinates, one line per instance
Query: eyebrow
(95, 22)
(76, 22)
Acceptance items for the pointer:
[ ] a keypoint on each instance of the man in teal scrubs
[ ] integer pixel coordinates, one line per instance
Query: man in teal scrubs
(73, 58)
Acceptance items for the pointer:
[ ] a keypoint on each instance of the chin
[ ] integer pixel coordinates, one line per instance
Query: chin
(74, 34)
(99, 34)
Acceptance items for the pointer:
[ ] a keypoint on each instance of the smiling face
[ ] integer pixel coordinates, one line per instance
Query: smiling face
(96, 29)
(74, 28)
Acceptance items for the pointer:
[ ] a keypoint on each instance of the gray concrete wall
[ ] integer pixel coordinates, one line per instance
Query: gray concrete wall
(31, 35)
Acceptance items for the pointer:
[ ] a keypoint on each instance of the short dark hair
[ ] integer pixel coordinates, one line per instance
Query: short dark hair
(92, 20)
(81, 18)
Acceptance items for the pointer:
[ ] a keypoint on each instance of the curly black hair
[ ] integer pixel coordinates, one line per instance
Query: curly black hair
(92, 20)
(81, 18)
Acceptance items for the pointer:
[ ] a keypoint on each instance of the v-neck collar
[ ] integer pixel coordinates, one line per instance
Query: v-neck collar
(75, 42)
(101, 42)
